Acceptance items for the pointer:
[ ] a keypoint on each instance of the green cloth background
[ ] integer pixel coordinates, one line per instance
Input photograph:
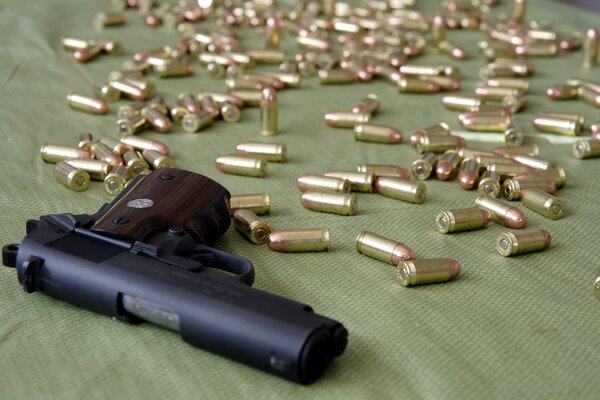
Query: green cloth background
(508, 328)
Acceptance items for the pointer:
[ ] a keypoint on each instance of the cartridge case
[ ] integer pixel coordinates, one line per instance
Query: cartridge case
(104, 91)
(370, 105)
(446, 83)
(335, 76)
(425, 271)
(571, 43)
(259, 203)
(209, 105)
(556, 175)
(131, 125)
(103, 152)
(87, 53)
(377, 134)
(71, 177)
(269, 112)
(534, 162)
(140, 143)
(230, 112)
(496, 93)
(438, 30)
(460, 220)
(346, 119)
(53, 153)
(560, 124)
(115, 145)
(416, 85)
(189, 101)
(514, 104)
(251, 226)
(513, 135)
(250, 98)
(131, 109)
(323, 184)
(130, 89)
(194, 122)
(115, 181)
(299, 240)
(590, 96)
(480, 122)
(174, 69)
(401, 189)
(329, 202)
(267, 151)
(289, 79)
(590, 48)
(537, 49)
(102, 20)
(422, 168)
(135, 164)
(246, 166)
(530, 150)
(520, 242)
(510, 83)
(489, 184)
(388, 170)
(461, 103)
(513, 188)
(88, 104)
(440, 144)
(70, 43)
(224, 97)
(157, 160)
(266, 56)
(485, 160)
(359, 181)
(468, 174)
(447, 165)
(413, 69)
(85, 141)
(586, 149)
(507, 170)
(502, 213)
(96, 169)
(383, 249)
(563, 92)
(441, 129)
(543, 203)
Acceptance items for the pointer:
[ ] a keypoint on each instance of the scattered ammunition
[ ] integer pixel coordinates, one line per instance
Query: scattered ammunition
(461, 103)
(377, 134)
(248, 97)
(530, 150)
(53, 153)
(420, 272)
(502, 213)
(513, 135)
(71, 177)
(174, 69)
(590, 48)
(534, 162)
(447, 165)
(103, 152)
(323, 184)
(111, 46)
(590, 96)
(115, 181)
(359, 181)
(157, 120)
(465, 219)
(519, 242)
(299, 240)
(452, 50)
(337, 76)
(496, 93)
(346, 119)
(72, 44)
(537, 49)
(441, 129)
(259, 204)
(329, 202)
(269, 112)
(215, 70)
(511, 83)
(85, 141)
(416, 85)
(369, 105)
(223, 97)
(131, 125)
(189, 101)
(157, 160)
(140, 143)
(128, 88)
(422, 168)
(485, 160)
(586, 149)
(401, 189)
(513, 188)
(507, 170)
(267, 151)
(563, 92)
(176, 112)
(412, 69)
(446, 83)
(96, 169)
(87, 104)
(514, 104)
(489, 184)
(560, 124)
(246, 166)
(543, 203)
(392, 171)
(480, 122)
(103, 90)
(193, 122)
(230, 112)
(595, 130)
(556, 175)
(468, 173)
(266, 56)
(131, 109)
(289, 79)
(466, 152)
(88, 53)
(383, 249)
(102, 20)
(440, 144)
(135, 164)
(438, 30)
(251, 226)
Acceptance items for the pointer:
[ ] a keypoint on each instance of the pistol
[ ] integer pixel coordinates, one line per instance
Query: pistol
(147, 257)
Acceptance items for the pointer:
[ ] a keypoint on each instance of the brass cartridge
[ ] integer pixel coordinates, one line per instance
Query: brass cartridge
(441, 129)
(71, 177)
(115, 181)
(269, 107)
(422, 168)
(590, 48)
(299, 240)
(259, 204)
(140, 143)
(468, 175)
(157, 160)
(53, 153)
(520, 242)
(88, 104)
(560, 124)
(194, 122)
(447, 165)
(115, 145)
(246, 166)
(534, 162)
(85, 141)
(530, 150)
(135, 164)
(513, 135)
(359, 181)
(346, 119)
(440, 144)
(586, 149)
(401, 189)
(513, 188)
(460, 220)
(251, 226)
(420, 272)
(96, 169)
(393, 171)
(489, 184)
(370, 105)
(377, 134)
(502, 213)
(104, 91)
(329, 202)
(543, 203)
(383, 249)
(267, 151)
(230, 112)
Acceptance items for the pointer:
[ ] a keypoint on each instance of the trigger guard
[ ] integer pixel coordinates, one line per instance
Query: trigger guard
(239, 266)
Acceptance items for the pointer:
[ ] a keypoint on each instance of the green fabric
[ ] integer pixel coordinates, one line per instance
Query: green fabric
(508, 328)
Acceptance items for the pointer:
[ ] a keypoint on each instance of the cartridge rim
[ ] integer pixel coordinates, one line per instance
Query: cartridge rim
(506, 243)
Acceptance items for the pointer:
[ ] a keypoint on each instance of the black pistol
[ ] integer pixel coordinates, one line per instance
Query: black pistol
(146, 256)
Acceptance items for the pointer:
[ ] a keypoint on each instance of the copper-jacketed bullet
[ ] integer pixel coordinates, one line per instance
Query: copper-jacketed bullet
(590, 48)
(447, 165)
(383, 249)
(502, 213)
(468, 175)
(87, 104)
(377, 134)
